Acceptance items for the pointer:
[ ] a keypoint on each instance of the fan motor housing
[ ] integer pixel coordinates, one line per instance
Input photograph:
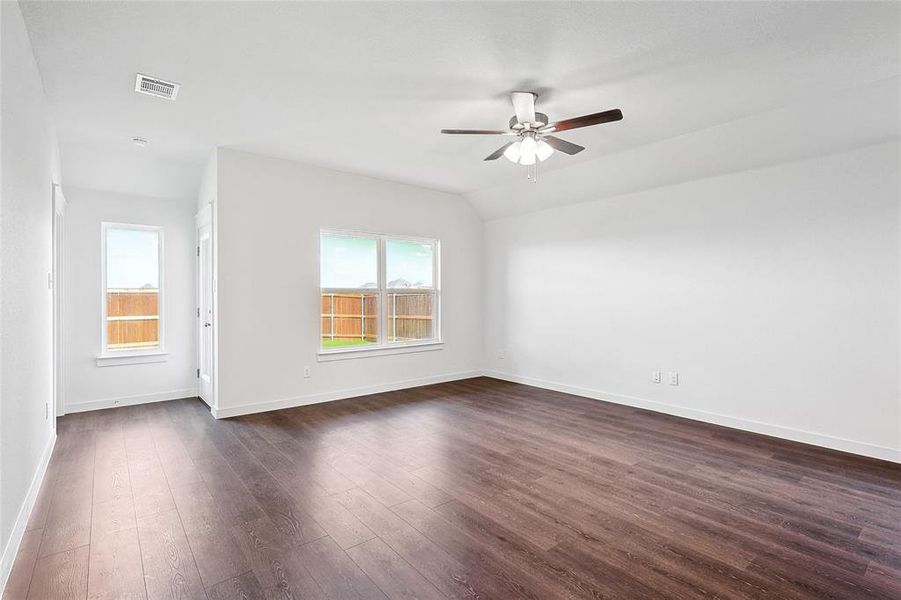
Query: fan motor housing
(540, 121)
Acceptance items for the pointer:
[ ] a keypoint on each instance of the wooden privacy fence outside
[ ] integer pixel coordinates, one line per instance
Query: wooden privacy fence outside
(132, 318)
(355, 316)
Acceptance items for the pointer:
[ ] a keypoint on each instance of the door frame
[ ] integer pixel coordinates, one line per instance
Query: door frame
(205, 218)
(58, 286)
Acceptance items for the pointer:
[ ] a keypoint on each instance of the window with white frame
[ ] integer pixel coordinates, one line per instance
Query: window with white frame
(377, 290)
(132, 299)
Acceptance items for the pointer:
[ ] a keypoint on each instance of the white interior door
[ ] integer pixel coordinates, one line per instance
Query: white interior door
(205, 312)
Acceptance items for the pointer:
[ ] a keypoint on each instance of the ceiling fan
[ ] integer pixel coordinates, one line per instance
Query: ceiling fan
(532, 130)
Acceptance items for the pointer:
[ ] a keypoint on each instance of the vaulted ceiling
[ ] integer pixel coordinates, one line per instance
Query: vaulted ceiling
(706, 88)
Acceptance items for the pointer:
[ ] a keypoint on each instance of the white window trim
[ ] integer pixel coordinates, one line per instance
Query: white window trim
(131, 356)
(369, 351)
(132, 359)
(383, 347)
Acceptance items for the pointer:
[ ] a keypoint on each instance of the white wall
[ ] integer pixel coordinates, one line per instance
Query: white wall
(89, 386)
(269, 215)
(774, 293)
(29, 166)
(209, 181)
(128, 170)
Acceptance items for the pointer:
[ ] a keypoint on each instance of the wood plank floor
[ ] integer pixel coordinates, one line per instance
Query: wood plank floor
(472, 489)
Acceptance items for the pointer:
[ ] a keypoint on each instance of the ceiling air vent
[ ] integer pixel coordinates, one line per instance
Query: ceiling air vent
(152, 86)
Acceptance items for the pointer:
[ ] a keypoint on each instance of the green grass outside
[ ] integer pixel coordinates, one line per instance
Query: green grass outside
(345, 343)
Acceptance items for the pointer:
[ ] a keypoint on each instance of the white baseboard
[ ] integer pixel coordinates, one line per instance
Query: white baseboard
(15, 538)
(787, 433)
(130, 400)
(247, 409)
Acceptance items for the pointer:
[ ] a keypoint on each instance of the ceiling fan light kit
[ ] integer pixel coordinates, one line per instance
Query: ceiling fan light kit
(527, 149)
(533, 129)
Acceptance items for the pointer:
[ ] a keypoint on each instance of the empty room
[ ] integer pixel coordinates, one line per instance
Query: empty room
(450, 300)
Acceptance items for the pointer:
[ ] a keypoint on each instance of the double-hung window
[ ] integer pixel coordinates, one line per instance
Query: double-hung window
(132, 277)
(378, 291)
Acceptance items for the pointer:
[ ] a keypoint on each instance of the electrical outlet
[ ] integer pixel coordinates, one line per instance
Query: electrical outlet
(674, 378)
(501, 354)
(306, 372)
(656, 377)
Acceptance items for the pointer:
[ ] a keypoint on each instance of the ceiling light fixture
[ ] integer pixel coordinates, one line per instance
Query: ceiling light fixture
(525, 151)
(139, 141)
(513, 152)
(543, 150)
(528, 150)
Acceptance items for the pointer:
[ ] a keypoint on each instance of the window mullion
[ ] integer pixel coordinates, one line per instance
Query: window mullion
(383, 294)
(436, 291)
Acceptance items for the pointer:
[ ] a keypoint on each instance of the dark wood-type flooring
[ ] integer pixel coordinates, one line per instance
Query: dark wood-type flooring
(472, 489)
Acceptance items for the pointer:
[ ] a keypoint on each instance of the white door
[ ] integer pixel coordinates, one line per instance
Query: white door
(205, 312)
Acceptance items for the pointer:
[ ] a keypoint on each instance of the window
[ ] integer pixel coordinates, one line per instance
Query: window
(132, 289)
(377, 291)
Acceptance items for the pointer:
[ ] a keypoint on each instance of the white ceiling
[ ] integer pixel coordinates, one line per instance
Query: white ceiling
(365, 87)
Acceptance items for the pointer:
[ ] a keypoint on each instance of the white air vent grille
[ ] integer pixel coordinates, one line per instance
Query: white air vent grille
(156, 87)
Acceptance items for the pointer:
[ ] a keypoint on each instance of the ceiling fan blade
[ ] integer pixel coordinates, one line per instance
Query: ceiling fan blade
(607, 116)
(524, 106)
(478, 131)
(562, 145)
(500, 151)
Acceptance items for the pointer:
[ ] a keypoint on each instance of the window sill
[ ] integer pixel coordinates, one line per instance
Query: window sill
(348, 353)
(113, 360)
